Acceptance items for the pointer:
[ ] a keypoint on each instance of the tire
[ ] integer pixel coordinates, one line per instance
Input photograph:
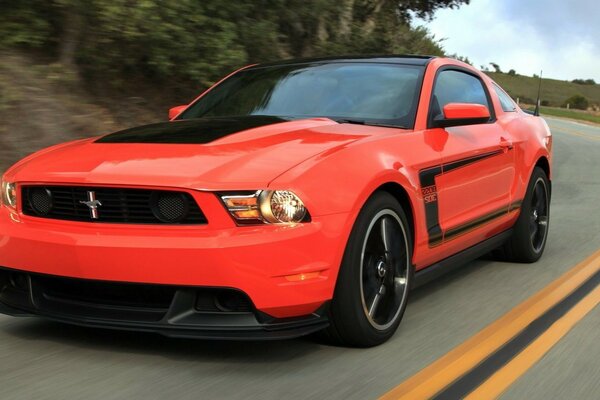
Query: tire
(530, 232)
(375, 276)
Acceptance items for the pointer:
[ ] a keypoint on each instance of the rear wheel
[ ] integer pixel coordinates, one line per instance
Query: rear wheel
(530, 232)
(374, 279)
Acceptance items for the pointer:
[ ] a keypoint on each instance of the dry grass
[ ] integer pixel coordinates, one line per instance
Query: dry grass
(41, 105)
(553, 91)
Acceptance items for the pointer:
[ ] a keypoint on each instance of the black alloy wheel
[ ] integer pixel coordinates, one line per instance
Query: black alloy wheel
(530, 232)
(539, 216)
(375, 276)
(384, 270)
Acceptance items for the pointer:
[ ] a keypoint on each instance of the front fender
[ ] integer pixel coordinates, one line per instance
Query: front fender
(343, 181)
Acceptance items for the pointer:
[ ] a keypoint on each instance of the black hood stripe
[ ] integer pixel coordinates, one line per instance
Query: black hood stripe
(191, 131)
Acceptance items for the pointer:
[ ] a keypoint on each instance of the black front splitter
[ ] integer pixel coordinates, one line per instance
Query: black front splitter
(180, 317)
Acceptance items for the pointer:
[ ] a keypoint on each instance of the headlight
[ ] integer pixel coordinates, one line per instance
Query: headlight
(267, 206)
(9, 194)
(281, 206)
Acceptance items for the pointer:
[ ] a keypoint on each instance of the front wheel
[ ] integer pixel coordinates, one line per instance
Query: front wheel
(530, 232)
(375, 276)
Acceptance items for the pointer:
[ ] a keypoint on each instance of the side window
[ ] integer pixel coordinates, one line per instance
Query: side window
(456, 87)
(508, 105)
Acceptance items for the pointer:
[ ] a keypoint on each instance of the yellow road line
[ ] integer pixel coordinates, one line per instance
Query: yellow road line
(576, 133)
(465, 357)
(512, 371)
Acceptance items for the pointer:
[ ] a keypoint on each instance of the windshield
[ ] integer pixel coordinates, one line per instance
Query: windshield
(352, 92)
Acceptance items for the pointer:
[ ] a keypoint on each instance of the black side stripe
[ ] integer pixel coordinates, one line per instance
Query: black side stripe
(432, 212)
(453, 233)
(515, 205)
(427, 178)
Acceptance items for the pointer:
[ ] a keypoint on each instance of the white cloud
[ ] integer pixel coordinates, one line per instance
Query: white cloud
(562, 38)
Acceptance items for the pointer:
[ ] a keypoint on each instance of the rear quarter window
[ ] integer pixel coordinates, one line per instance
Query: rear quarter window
(507, 104)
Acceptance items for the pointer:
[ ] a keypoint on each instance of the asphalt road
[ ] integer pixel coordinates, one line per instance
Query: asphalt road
(45, 360)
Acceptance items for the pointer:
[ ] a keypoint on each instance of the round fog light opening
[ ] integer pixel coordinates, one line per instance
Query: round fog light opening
(40, 200)
(169, 207)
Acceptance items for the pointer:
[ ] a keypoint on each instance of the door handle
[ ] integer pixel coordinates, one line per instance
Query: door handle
(506, 145)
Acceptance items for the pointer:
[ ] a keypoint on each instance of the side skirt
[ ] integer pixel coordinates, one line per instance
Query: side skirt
(457, 260)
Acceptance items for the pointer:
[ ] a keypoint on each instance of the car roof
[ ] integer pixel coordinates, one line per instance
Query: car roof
(375, 59)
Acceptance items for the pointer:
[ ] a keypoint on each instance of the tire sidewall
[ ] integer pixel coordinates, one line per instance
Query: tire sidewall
(347, 305)
(522, 232)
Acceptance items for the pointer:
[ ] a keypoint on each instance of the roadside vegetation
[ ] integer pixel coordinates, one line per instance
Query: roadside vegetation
(586, 116)
(577, 100)
(75, 68)
(555, 93)
(186, 45)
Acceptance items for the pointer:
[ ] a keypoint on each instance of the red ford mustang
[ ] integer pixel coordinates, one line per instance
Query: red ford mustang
(290, 198)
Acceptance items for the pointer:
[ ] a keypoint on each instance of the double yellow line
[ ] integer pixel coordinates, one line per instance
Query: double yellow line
(439, 376)
(576, 133)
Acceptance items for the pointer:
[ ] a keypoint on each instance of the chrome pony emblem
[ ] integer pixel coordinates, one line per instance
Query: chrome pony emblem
(93, 204)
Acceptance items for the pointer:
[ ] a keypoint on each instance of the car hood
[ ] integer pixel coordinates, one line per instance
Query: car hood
(212, 153)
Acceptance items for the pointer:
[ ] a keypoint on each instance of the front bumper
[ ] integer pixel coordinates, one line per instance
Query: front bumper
(257, 261)
(186, 312)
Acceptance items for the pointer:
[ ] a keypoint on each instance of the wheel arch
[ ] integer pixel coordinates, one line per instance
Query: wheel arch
(544, 164)
(401, 195)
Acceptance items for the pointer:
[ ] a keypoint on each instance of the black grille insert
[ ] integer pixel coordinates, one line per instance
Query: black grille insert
(106, 293)
(113, 205)
(102, 300)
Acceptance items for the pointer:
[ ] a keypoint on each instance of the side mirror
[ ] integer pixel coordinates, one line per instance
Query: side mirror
(175, 111)
(456, 114)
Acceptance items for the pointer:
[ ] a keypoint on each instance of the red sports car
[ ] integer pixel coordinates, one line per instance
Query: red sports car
(290, 198)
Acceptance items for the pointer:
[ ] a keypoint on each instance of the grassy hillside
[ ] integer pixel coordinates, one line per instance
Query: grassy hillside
(586, 116)
(553, 91)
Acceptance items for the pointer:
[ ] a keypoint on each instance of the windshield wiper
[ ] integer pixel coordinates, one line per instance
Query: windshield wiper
(366, 123)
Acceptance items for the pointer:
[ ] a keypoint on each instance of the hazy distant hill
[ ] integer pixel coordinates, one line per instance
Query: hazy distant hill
(553, 91)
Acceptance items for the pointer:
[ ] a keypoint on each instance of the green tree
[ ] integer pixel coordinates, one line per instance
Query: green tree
(578, 102)
(182, 41)
(584, 81)
(496, 67)
(461, 58)
(23, 24)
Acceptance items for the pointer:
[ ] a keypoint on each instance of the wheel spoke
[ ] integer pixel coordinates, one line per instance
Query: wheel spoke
(533, 219)
(541, 230)
(376, 300)
(400, 281)
(386, 234)
(534, 235)
(539, 198)
(533, 225)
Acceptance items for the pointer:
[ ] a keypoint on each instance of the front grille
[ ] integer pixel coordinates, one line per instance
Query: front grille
(111, 205)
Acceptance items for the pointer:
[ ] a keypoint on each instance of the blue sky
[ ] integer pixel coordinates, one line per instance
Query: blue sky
(558, 36)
